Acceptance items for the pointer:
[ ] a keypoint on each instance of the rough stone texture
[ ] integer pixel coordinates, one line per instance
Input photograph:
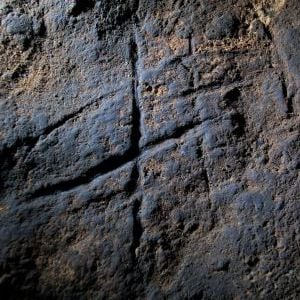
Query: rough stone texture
(149, 149)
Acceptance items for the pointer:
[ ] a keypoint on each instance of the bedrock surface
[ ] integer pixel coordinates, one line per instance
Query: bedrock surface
(149, 149)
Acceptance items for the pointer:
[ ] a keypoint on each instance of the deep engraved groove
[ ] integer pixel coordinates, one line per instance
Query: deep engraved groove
(137, 229)
(136, 115)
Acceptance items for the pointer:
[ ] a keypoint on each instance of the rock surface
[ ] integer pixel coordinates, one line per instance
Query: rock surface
(149, 149)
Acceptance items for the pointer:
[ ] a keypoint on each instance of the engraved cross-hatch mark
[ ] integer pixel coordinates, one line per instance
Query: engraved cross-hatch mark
(115, 161)
(135, 151)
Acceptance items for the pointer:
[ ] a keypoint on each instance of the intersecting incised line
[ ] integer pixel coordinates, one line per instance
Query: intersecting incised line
(114, 162)
(31, 141)
(134, 153)
(137, 229)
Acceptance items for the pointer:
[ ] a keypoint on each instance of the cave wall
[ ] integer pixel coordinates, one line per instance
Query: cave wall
(149, 149)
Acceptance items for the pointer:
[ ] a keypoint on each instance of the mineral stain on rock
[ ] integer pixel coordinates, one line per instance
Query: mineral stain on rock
(149, 149)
